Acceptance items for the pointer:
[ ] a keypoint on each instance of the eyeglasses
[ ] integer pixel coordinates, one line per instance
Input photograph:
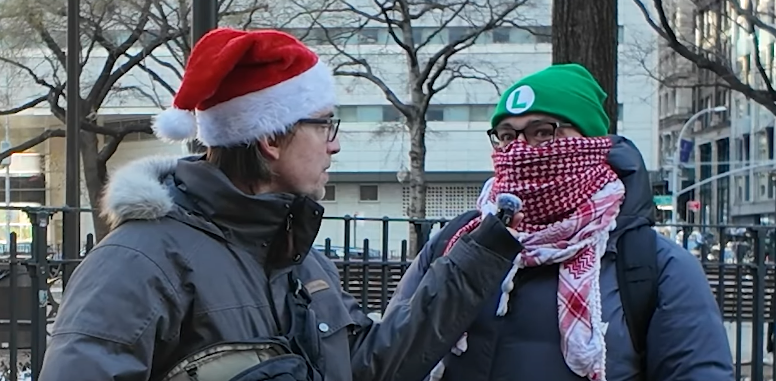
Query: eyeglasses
(535, 133)
(331, 125)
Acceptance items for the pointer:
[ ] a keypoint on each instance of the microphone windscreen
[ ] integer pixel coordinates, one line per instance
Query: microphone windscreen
(508, 202)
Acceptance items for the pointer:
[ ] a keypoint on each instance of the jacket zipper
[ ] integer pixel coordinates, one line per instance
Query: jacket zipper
(267, 272)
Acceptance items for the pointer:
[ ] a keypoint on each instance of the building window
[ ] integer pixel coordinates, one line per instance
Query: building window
(391, 114)
(421, 35)
(368, 36)
(500, 35)
(331, 193)
(620, 111)
(435, 114)
(368, 193)
(542, 34)
(481, 113)
(762, 185)
(457, 32)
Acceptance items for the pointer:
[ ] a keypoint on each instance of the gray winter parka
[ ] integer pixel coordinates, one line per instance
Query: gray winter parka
(163, 284)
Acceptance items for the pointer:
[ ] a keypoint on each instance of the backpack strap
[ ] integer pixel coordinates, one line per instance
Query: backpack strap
(637, 277)
(449, 230)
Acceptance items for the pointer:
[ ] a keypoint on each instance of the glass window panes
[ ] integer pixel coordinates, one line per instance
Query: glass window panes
(391, 114)
(428, 35)
(331, 193)
(368, 36)
(417, 35)
(762, 146)
(368, 193)
(481, 113)
(456, 113)
(458, 32)
(23, 233)
(17, 217)
(541, 34)
(435, 113)
(762, 185)
(425, 35)
(348, 114)
(370, 113)
(339, 36)
(501, 35)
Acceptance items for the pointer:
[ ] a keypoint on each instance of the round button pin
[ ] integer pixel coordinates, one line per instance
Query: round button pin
(323, 327)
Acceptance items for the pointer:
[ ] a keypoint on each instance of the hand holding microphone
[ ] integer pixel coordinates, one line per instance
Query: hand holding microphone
(508, 211)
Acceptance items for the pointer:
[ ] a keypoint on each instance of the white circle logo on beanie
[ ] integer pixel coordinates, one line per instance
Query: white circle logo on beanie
(520, 100)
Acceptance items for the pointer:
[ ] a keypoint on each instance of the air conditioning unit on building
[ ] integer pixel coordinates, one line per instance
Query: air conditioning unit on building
(26, 164)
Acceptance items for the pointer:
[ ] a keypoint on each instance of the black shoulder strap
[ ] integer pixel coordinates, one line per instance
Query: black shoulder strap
(301, 334)
(637, 276)
(449, 230)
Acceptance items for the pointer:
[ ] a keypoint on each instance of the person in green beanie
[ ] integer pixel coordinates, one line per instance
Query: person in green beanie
(562, 100)
(595, 293)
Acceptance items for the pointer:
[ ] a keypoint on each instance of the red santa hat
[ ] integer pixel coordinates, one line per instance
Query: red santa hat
(241, 86)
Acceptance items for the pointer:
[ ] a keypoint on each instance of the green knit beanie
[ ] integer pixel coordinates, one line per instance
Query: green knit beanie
(565, 91)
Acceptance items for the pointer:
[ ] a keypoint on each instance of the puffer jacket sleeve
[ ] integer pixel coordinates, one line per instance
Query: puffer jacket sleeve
(686, 338)
(108, 321)
(418, 330)
(411, 279)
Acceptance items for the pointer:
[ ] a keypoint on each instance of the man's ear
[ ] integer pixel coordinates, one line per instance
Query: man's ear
(270, 147)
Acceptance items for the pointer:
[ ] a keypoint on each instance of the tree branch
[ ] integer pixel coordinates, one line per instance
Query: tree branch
(45, 135)
(25, 106)
(113, 142)
(724, 72)
(756, 52)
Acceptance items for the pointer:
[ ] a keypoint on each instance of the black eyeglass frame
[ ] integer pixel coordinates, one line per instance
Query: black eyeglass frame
(495, 141)
(331, 123)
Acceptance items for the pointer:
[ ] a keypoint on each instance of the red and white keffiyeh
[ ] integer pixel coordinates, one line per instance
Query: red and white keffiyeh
(571, 198)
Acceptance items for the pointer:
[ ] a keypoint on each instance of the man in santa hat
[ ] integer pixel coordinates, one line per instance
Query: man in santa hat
(208, 273)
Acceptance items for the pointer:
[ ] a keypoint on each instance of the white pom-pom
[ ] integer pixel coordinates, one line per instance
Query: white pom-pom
(175, 125)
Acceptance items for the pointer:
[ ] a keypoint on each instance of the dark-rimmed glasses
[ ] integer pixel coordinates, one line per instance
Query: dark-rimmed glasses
(535, 133)
(330, 124)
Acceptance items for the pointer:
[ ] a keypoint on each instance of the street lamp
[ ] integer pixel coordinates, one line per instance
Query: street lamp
(676, 187)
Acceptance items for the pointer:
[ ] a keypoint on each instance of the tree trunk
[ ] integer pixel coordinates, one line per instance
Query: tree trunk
(95, 176)
(586, 32)
(417, 176)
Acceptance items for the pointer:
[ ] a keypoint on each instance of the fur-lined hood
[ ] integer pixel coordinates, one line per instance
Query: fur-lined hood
(137, 191)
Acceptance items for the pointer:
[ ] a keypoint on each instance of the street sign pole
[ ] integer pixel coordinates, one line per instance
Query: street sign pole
(204, 19)
(71, 224)
(675, 166)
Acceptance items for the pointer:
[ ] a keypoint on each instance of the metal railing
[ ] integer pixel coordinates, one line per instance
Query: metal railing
(738, 260)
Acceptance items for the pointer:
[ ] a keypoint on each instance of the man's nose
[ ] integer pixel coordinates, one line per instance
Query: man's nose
(333, 147)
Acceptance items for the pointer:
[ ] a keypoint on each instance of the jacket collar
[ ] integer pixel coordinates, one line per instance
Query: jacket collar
(198, 194)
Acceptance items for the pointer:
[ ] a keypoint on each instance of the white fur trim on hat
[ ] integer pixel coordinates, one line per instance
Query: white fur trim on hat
(175, 125)
(269, 111)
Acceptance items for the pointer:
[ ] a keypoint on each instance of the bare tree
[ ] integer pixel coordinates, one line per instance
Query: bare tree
(710, 50)
(585, 32)
(427, 41)
(118, 39)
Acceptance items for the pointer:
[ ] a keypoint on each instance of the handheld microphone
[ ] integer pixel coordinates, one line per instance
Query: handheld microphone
(507, 205)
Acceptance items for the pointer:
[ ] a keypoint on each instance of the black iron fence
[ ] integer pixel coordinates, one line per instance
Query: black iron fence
(738, 260)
